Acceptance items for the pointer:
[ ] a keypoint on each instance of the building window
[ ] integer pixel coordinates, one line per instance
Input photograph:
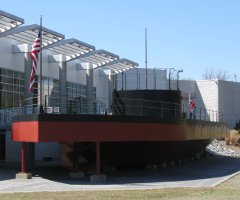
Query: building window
(77, 98)
(50, 92)
(11, 88)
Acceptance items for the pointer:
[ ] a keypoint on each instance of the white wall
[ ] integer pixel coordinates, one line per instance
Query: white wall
(49, 69)
(76, 72)
(101, 82)
(156, 79)
(229, 101)
(207, 95)
(131, 79)
(8, 59)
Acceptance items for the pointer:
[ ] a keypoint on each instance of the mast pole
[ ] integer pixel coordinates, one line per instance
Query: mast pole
(146, 57)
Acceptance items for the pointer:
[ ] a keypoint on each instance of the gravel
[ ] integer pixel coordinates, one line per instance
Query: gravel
(217, 148)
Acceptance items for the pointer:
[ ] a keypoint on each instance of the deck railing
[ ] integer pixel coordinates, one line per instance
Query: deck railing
(133, 107)
(163, 109)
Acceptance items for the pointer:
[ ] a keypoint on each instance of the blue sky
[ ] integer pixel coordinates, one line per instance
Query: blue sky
(193, 35)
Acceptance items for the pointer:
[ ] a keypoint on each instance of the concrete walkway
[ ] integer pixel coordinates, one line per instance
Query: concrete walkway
(205, 172)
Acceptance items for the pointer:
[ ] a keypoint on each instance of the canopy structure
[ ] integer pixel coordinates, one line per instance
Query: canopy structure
(98, 57)
(9, 21)
(107, 60)
(120, 65)
(75, 49)
(27, 34)
(72, 48)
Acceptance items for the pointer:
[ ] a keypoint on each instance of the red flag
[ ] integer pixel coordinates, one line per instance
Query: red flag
(36, 48)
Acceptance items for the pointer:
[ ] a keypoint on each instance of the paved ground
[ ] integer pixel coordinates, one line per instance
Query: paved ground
(205, 172)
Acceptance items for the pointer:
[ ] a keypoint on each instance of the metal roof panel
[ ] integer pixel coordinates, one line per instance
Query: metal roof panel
(27, 34)
(9, 21)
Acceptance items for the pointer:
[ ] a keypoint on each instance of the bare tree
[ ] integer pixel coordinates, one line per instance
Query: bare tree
(216, 74)
(235, 78)
(208, 74)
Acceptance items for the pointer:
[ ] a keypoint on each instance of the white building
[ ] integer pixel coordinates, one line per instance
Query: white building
(77, 78)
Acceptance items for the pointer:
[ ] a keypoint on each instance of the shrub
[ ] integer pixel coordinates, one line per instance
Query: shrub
(237, 126)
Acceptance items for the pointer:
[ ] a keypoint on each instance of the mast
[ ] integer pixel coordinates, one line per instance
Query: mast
(146, 57)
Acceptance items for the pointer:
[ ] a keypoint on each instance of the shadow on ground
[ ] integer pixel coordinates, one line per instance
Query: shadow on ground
(205, 168)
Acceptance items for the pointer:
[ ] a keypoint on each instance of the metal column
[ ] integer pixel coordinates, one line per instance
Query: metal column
(27, 71)
(89, 84)
(62, 83)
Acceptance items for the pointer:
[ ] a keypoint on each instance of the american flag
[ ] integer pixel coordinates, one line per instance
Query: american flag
(36, 48)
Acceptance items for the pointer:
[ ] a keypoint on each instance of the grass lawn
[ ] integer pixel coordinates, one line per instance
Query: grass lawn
(181, 193)
(229, 190)
(218, 193)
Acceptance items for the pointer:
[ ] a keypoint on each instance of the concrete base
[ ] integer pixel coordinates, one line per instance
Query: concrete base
(98, 178)
(23, 175)
(79, 174)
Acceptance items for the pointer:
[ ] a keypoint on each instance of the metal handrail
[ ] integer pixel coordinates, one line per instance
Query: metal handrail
(138, 109)
(136, 106)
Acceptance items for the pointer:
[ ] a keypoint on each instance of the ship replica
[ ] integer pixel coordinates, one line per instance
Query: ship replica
(144, 127)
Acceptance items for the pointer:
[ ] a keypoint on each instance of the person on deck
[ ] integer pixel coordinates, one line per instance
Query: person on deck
(192, 108)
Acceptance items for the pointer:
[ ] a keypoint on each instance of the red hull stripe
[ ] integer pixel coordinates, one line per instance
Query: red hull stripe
(37, 131)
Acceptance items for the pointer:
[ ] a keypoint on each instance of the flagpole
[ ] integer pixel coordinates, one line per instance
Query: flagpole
(146, 58)
(40, 75)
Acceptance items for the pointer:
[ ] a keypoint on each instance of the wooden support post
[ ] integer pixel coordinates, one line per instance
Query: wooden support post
(98, 159)
(23, 159)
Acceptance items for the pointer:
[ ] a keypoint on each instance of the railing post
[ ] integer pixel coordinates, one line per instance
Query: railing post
(200, 114)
